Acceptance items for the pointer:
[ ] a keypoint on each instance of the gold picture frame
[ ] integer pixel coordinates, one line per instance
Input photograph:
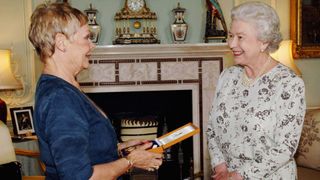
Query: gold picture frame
(304, 28)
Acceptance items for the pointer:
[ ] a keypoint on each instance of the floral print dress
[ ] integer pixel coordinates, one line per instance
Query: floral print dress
(256, 129)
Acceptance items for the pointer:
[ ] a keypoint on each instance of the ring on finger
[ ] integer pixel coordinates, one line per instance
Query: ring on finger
(150, 169)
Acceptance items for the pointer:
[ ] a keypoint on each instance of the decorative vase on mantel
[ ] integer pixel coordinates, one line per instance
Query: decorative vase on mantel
(179, 28)
(94, 27)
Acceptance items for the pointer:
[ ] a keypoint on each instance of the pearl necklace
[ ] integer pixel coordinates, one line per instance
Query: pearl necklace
(246, 81)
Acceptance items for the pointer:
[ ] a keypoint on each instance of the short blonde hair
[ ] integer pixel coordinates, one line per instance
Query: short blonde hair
(49, 19)
(264, 18)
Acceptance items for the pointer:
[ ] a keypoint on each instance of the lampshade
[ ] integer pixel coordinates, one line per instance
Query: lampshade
(284, 56)
(7, 80)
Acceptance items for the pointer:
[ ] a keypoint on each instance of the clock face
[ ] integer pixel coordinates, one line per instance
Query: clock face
(135, 5)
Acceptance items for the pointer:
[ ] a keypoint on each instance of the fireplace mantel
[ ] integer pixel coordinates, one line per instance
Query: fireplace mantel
(160, 50)
(128, 68)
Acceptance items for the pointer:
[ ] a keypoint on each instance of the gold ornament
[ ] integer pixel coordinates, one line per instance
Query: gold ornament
(137, 25)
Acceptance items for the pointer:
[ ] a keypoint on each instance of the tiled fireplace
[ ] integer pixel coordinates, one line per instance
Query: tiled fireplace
(155, 68)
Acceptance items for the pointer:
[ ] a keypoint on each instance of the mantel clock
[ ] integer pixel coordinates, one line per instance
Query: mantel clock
(135, 24)
(135, 5)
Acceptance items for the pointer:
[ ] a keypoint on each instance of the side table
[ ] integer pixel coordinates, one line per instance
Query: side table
(30, 165)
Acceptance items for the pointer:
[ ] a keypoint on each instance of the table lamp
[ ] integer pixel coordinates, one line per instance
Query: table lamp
(7, 81)
(284, 56)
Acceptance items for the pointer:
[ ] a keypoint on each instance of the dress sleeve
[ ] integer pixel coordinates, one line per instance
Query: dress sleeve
(290, 116)
(216, 155)
(67, 133)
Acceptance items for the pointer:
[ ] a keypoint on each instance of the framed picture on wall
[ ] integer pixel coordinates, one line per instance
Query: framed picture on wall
(22, 120)
(304, 28)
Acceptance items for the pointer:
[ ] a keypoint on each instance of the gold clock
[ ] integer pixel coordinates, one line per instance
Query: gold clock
(135, 5)
(135, 24)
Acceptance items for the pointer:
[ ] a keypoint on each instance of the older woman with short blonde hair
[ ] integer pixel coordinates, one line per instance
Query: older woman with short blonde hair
(76, 138)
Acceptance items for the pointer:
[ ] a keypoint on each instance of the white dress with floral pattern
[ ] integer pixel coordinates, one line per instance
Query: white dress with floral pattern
(256, 129)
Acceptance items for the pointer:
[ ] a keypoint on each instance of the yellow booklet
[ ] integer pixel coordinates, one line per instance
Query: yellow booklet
(174, 137)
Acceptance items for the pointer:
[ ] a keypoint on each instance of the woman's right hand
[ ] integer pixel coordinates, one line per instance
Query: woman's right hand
(144, 159)
(220, 172)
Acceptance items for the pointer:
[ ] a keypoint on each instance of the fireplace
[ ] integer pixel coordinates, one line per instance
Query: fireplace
(171, 109)
(168, 71)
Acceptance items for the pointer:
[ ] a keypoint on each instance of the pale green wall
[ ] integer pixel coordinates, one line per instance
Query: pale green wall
(163, 8)
(310, 69)
(195, 17)
(14, 24)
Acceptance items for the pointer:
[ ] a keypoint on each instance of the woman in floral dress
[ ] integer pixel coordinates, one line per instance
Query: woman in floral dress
(258, 111)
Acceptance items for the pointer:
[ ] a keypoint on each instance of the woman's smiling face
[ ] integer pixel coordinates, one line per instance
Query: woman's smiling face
(244, 43)
(80, 47)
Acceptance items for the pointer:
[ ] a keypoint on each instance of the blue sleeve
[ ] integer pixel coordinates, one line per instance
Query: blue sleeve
(67, 133)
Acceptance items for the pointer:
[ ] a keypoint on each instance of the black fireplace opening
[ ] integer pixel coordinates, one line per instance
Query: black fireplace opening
(172, 109)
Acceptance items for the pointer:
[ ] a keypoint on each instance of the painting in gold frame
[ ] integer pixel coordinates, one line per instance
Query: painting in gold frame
(304, 28)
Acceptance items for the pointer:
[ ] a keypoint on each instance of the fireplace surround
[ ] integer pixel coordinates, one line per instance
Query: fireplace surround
(171, 67)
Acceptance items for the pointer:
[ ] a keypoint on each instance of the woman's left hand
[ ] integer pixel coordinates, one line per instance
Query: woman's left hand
(132, 142)
(144, 159)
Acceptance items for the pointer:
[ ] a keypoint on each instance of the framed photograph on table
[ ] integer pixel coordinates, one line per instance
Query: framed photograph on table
(22, 120)
(304, 28)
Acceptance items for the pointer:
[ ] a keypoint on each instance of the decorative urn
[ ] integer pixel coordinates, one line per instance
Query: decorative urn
(179, 28)
(95, 28)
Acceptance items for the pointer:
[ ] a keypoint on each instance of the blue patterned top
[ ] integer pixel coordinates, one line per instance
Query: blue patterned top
(73, 134)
